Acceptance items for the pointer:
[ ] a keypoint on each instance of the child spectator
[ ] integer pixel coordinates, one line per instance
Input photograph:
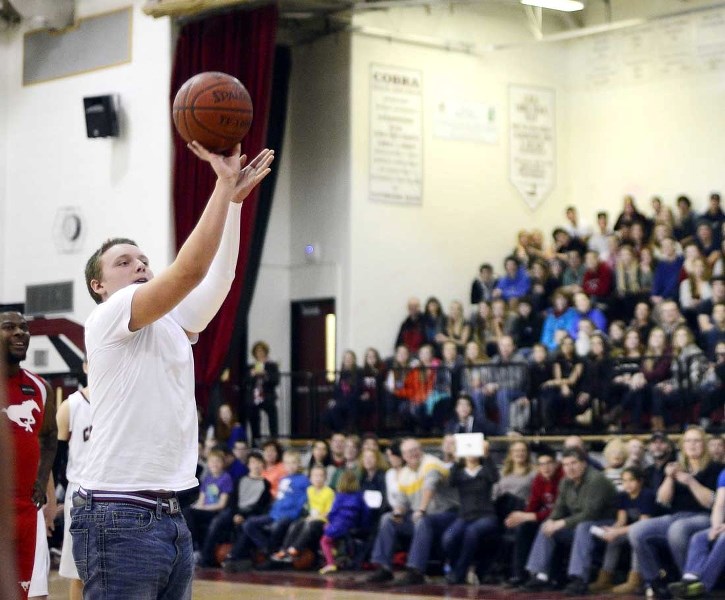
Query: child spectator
(273, 467)
(253, 498)
(635, 502)
(615, 455)
(237, 467)
(348, 512)
(213, 497)
(306, 531)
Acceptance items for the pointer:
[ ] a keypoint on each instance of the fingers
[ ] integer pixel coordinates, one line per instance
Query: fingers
(199, 150)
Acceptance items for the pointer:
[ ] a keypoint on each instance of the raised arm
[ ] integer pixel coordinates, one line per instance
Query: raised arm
(234, 182)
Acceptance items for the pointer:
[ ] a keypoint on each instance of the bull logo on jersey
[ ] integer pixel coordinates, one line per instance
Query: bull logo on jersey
(22, 414)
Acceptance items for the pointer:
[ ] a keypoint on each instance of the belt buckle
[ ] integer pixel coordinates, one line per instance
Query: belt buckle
(174, 505)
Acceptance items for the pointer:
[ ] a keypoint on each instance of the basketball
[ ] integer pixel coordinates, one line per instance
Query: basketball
(214, 109)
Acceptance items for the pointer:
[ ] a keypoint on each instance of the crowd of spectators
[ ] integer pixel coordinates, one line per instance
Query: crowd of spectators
(648, 516)
(605, 329)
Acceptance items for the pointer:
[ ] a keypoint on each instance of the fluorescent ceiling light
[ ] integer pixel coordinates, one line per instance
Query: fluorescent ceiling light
(565, 5)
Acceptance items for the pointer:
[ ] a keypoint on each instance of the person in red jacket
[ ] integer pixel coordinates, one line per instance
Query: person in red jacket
(525, 523)
(598, 278)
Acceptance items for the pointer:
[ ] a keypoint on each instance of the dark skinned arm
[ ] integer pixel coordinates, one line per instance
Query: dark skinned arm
(48, 439)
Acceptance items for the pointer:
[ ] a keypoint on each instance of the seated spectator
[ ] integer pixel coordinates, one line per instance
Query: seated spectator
(450, 375)
(687, 370)
(558, 396)
(540, 371)
(513, 488)
(669, 318)
(718, 268)
(482, 329)
(708, 244)
(274, 468)
(628, 284)
(583, 309)
(642, 320)
(687, 490)
(372, 483)
(370, 441)
(543, 285)
(337, 449)
(214, 494)
(262, 390)
(525, 523)
(615, 455)
(514, 283)
(472, 372)
(716, 448)
(662, 215)
(585, 498)
(227, 428)
(576, 441)
(685, 222)
(717, 296)
(661, 232)
(456, 329)
(473, 478)
(237, 466)
(501, 318)
(628, 217)
(320, 457)
(352, 450)
(253, 498)
(372, 373)
(714, 214)
(526, 326)
(418, 511)
(483, 286)
(559, 317)
(593, 395)
(435, 322)
(265, 533)
(599, 240)
(598, 278)
(616, 333)
(412, 333)
(705, 553)
(348, 512)
(565, 243)
(634, 503)
(647, 267)
(397, 369)
(636, 453)
(661, 451)
(394, 456)
(691, 253)
(626, 366)
(305, 532)
(573, 277)
(713, 387)
(343, 410)
(468, 420)
(715, 334)
(667, 273)
(505, 384)
(638, 237)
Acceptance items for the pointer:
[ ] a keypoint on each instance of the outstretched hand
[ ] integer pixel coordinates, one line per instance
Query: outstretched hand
(233, 171)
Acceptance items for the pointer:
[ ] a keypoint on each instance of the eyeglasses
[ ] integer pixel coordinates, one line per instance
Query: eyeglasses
(544, 463)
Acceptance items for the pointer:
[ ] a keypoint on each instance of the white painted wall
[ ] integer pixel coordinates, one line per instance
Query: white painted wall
(122, 185)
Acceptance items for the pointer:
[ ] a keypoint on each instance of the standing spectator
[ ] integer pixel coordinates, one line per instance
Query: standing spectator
(505, 384)
(586, 497)
(476, 518)
(599, 241)
(714, 214)
(667, 273)
(483, 286)
(526, 522)
(705, 553)
(419, 510)
(515, 282)
(435, 322)
(576, 227)
(263, 382)
(370, 385)
(412, 333)
(573, 277)
(688, 492)
(634, 503)
(685, 222)
(344, 407)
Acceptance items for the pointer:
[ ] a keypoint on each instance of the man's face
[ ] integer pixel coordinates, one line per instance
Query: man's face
(486, 275)
(669, 312)
(718, 315)
(602, 222)
(506, 347)
(255, 466)
(659, 449)
(582, 303)
(573, 468)
(463, 409)
(240, 451)
(15, 335)
(716, 448)
(412, 453)
(337, 444)
(121, 266)
(574, 260)
(718, 291)
(546, 466)
(511, 267)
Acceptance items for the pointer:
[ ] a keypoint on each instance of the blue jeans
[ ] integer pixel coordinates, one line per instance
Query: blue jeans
(460, 542)
(706, 559)
(543, 549)
(124, 551)
(582, 549)
(674, 531)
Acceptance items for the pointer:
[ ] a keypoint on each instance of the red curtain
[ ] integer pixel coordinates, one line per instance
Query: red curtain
(242, 44)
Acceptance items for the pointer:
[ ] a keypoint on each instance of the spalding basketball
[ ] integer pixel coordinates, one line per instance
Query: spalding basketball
(214, 109)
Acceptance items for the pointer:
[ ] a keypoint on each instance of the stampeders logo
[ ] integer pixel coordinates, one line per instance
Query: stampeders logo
(22, 414)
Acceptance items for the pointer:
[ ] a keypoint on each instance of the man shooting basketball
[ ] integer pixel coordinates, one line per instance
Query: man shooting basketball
(129, 537)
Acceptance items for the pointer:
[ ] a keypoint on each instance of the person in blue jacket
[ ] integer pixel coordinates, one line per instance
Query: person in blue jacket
(559, 317)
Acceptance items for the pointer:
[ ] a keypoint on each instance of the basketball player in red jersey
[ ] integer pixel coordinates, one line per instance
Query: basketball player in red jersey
(31, 414)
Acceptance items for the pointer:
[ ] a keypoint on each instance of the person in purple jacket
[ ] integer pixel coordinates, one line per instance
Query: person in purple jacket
(348, 512)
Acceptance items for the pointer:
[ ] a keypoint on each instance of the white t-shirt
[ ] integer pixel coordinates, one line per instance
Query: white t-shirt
(79, 425)
(143, 408)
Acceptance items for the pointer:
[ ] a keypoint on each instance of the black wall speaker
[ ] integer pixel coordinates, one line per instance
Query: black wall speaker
(101, 116)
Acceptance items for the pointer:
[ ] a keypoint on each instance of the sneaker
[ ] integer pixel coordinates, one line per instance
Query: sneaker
(688, 589)
(381, 575)
(658, 589)
(411, 577)
(327, 569)
(537, 585)
(232, 565)
(576, 587)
